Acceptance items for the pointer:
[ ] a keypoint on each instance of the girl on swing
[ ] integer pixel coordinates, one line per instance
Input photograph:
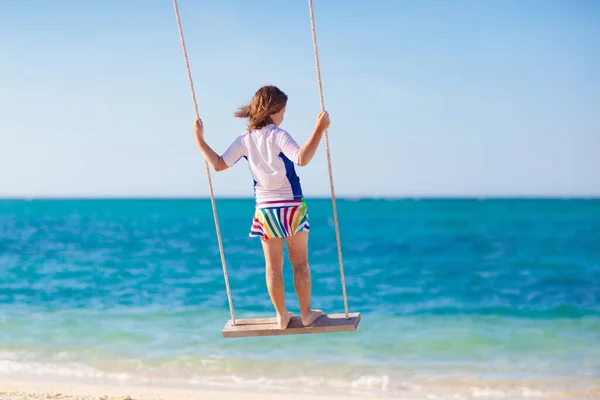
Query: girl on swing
(281, 213)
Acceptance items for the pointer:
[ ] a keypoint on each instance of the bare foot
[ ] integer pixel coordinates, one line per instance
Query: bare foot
(309, 319)
(284, 320)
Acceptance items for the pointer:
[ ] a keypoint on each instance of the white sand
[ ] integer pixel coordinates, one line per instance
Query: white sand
(35, 389)
(21, 389)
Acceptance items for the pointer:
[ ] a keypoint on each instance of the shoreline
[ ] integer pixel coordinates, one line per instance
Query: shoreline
(19, 389)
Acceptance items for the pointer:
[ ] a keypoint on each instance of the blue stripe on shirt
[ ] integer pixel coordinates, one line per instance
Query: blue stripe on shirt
(290, 172)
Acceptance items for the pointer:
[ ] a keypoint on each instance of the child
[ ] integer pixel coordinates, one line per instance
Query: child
(281, 213)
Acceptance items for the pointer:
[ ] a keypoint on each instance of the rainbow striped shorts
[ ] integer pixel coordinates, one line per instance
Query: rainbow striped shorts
(279, 219)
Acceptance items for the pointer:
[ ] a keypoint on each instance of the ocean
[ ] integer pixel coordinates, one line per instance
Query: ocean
(459, 298)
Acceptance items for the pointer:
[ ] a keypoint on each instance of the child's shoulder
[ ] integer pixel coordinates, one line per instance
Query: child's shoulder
(277, 131)
(269, 130)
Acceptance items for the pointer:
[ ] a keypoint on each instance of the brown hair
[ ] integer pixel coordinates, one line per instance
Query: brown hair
(267, 100)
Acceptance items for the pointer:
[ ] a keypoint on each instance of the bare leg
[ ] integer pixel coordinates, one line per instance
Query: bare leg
(298, 254)
(273, 249)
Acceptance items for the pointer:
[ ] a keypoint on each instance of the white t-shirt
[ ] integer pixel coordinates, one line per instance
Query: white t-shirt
(271, 153)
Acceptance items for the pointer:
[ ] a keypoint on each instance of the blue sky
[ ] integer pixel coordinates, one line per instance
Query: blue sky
(427, 98)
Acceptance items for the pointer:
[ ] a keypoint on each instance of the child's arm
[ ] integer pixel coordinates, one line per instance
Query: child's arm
(303, 155)
(308, 150)
(215, 160)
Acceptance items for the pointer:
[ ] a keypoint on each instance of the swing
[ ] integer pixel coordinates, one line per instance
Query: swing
(327, 323)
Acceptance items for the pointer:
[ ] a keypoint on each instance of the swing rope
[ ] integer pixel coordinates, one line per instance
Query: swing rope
(335, 217)
(210, 188)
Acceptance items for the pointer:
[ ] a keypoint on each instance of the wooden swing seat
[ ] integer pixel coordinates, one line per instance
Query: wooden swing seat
(327, 323)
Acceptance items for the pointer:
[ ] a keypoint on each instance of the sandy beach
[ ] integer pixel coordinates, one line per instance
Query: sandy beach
(17, 389)
(35, 389)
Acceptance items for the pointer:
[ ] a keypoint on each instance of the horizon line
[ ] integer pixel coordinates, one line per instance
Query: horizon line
(321, 197)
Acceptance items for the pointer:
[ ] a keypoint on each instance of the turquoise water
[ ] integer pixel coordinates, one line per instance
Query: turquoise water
(459, 298)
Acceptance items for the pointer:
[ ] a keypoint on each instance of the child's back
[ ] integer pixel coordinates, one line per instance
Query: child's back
(271, 154)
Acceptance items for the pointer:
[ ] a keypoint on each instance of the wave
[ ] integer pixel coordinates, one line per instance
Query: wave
(364, 383)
